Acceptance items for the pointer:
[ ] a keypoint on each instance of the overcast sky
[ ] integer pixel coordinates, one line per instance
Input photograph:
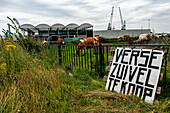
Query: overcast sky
(96, 12)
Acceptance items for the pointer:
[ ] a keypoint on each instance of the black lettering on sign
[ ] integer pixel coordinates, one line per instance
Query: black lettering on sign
(131, 74)
(151, 59)
(125, 72)
(118, 54)
(110, 82)
(147, 92)
(133, 88)
(135, 53)
(125, 53)
(141, 72)
(147, 80)
(146, 58)
(137, 90)
(123, 87)
(115, 66)
(118, 71)
(115, 83)
(122, 71)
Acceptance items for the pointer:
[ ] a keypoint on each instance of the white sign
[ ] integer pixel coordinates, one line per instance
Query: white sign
(135, 72)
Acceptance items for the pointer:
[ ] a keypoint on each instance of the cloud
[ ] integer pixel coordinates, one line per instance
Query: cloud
(96, 12)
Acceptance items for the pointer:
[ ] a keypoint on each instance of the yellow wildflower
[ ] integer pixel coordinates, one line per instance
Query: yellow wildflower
(7, 43)
(4, 64)
(19, 110)
(10, 46)
(141, 101)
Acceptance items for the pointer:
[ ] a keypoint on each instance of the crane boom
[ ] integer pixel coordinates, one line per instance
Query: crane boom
(110, 21)
(122, 25)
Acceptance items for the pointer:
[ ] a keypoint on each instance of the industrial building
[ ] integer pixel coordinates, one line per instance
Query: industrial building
(59, 30)
(110, 34)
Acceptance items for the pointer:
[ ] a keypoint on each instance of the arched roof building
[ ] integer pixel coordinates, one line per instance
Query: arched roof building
(59, 30)
(85, 26)
(28, 27)
(71, 26)
(57, 26)
(42, 27)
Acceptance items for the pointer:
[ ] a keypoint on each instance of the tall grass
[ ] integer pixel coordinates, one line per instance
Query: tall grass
(34, 82)
(26, 85)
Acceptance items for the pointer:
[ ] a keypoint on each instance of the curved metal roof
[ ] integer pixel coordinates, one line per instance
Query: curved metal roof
(85, 25)
(57, 26)
(43, 27)
(72, 26)
(28, 27)
(46, 27)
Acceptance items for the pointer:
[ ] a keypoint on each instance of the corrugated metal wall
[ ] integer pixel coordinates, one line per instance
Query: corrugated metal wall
(115, 33)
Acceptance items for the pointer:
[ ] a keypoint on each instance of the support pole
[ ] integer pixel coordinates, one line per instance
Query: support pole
(100, 58)
(59, 53)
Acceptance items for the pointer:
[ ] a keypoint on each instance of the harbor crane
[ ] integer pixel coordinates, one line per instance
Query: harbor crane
(123, 24)
(110, 21)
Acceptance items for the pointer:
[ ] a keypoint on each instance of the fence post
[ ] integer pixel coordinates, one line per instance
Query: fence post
(100, 59)
(59, 53)
(165, 68)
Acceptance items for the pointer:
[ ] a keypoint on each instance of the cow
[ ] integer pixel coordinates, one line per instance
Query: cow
(143, 37)
(96, 40)
(45, 43)
(164, 35)
(86, 41)
(61, 41)
(156, 36)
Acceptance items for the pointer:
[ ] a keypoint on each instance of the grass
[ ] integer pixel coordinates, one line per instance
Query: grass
(32, 80)
(36, 83)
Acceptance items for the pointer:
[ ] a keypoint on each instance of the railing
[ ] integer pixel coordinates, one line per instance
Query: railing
(94, 57)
